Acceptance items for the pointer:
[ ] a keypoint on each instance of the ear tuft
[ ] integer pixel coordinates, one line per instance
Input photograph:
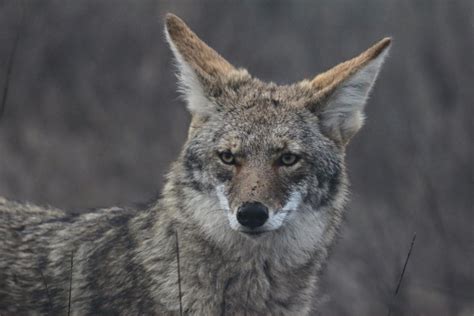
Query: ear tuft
(202, 58)
(329, 80)
(344, 89)
(200, 68)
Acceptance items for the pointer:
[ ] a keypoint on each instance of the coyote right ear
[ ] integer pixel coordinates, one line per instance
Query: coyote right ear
(200, 67)
(344, 89)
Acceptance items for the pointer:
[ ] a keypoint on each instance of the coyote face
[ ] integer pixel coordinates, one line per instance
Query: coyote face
(263, 161)
(265, 156)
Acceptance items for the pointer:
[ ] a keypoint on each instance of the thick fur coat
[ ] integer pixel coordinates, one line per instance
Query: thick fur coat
(191, 251)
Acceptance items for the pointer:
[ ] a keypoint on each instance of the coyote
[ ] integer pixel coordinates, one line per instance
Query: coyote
(247, 216)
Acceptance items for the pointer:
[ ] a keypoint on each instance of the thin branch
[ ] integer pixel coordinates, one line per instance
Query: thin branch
(403, 270)
(248, 297)
(70, 284)
(406, 263)
(50, 301)
(11, 57)
(179, 276)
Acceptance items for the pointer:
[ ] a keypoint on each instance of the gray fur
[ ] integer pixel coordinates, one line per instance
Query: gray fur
(124, 260)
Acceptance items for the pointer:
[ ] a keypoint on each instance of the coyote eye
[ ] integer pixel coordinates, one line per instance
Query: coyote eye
(288, 159)
(227, 157)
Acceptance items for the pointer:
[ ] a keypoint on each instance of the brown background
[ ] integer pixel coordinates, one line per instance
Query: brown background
(92, 119)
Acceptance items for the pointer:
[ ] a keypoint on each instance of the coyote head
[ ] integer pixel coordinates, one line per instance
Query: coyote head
(267, 155)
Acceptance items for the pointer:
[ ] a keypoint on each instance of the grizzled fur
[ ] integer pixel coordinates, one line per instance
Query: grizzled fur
(124, 261)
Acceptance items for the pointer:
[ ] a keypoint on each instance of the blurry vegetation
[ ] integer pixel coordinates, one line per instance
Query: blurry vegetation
(92, 119)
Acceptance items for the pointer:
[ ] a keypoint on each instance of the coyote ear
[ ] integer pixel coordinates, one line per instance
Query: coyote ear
(200, 68)
(343, 92)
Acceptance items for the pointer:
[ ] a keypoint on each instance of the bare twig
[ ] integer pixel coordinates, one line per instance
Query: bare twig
(50, 301)
(400, 279)
(179, 276)
(405, 265)
(10, 61)
(248, 297)
(70, 284)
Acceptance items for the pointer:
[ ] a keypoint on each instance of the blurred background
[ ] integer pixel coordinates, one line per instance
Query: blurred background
(93, 119)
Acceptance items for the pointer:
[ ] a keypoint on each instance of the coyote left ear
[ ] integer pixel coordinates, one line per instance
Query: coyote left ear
(201, 69)
(343, 91)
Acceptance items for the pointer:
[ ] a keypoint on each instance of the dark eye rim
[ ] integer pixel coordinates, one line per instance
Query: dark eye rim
(295, 159)
(230, 161)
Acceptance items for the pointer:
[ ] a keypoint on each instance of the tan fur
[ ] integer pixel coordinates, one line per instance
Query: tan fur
(126, 259)
(328, 81)
(203, 59)
(208, 63)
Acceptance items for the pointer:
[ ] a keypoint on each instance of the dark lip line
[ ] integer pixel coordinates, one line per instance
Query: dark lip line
(255, 233)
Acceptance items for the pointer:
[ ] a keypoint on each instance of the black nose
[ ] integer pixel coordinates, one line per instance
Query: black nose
(252, 214)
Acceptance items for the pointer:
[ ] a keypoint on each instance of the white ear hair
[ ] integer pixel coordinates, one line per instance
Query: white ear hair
(188, 83)
(343, 113)
(200, 68)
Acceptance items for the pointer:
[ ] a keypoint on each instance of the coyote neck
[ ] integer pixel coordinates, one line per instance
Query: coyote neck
(241, 276)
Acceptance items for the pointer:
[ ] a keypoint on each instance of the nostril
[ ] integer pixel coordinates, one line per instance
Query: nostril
(252, 215)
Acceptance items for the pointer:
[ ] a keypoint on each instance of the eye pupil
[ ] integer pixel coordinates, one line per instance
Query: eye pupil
(288, 159)
(227, 157)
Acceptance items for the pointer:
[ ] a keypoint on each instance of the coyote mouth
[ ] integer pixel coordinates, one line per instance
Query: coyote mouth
(255, 233)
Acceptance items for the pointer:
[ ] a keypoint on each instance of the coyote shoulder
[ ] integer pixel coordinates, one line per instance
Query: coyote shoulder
(250, 207)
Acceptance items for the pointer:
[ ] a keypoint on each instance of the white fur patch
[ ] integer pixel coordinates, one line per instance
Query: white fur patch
(189, 85)
(233, 222)
(343, 116)
(293, 202)
(276, 218)
(224, 204)
(275, 221)
(223, 201)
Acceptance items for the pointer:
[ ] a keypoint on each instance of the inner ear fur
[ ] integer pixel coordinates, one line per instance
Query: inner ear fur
(205, 61)
(342, 92)
(202, 72)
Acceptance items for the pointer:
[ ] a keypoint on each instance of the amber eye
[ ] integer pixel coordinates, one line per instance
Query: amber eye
(227, 157)
(288, 159)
